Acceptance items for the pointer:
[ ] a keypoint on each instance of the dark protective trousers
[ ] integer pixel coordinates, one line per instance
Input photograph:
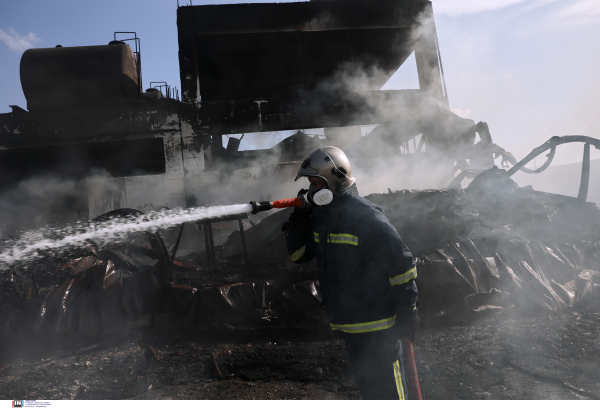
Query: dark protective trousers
(376, 364)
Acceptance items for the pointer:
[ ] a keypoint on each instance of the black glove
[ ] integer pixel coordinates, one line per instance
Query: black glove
(407, 325)
(306, 201)
(299, 217)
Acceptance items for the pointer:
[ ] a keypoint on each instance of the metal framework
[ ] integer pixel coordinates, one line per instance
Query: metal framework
(268, 67)
(551, 145)
(137, 53)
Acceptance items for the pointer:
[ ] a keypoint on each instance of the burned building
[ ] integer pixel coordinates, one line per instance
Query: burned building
(89, 119)
(244, 68)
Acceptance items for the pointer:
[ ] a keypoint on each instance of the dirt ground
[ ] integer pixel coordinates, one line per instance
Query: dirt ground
(550, 357)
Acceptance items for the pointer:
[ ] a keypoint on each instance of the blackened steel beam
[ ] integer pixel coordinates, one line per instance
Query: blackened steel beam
(211, 243)
(585, 173)
(300, 16)
(169, 273)
(427, 57)
(206, 242)
(246, 258)
(69, 126)
(551, 144)
(357, 108)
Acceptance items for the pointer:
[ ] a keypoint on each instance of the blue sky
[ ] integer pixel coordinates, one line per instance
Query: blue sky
(527, 67)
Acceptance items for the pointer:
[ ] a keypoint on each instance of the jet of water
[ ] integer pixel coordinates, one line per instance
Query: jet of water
(30, 244)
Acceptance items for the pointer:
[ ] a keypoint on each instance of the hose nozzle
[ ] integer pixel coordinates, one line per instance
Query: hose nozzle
(322, 197)
(260, 206)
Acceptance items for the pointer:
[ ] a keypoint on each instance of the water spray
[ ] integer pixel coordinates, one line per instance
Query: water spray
(34, 244)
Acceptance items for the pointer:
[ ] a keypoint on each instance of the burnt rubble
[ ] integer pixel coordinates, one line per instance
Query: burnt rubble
(508, 281)
(492, 249)
(495, 248)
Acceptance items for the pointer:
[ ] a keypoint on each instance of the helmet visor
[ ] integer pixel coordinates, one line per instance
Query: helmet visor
(306, 170)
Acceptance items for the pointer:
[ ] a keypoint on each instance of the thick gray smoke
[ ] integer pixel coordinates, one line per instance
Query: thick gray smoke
(563, 179)
(33, 202)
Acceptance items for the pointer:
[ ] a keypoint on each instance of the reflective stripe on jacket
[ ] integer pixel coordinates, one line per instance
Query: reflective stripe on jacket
(365, 270)
(365, 327)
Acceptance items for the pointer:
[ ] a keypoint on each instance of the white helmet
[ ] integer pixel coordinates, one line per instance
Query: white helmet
(330, 164)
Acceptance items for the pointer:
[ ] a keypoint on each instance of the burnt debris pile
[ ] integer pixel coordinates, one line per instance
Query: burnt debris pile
(497, 248)
(491, 249)
(87, 293)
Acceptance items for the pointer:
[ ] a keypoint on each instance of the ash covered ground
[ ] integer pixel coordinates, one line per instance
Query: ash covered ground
(550, 357)
(509, 283)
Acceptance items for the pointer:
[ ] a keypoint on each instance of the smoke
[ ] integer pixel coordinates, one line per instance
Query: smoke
(394, 170)
(562, 179)
(33, 202)
(379, 160)
(46, 200)
(262, 176)
(512, 79)
(265, 140)
(257, 175)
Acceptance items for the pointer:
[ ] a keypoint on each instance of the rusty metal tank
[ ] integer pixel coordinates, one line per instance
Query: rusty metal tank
(72, 77)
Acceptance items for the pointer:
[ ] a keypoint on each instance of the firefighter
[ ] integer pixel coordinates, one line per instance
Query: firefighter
(367, 274)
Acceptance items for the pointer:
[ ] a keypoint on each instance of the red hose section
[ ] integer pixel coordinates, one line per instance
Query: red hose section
(287, 202)
(410, 367)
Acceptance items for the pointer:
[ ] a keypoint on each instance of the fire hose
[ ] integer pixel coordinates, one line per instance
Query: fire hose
(410, 369)
(321, 197)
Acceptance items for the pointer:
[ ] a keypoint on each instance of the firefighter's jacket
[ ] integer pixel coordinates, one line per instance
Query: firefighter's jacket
(365, 270)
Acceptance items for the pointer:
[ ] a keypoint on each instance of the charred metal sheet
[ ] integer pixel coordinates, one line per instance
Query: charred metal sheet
(109, 287)
(19, 297)
(98, 299)
(491, 249)
(99, 290)
(260, 68)
(230, 117)
(290, 44)
(234, 305)
(302, 303)
(121, 121)
(539, 251)
(551, 145)
(262, 305)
